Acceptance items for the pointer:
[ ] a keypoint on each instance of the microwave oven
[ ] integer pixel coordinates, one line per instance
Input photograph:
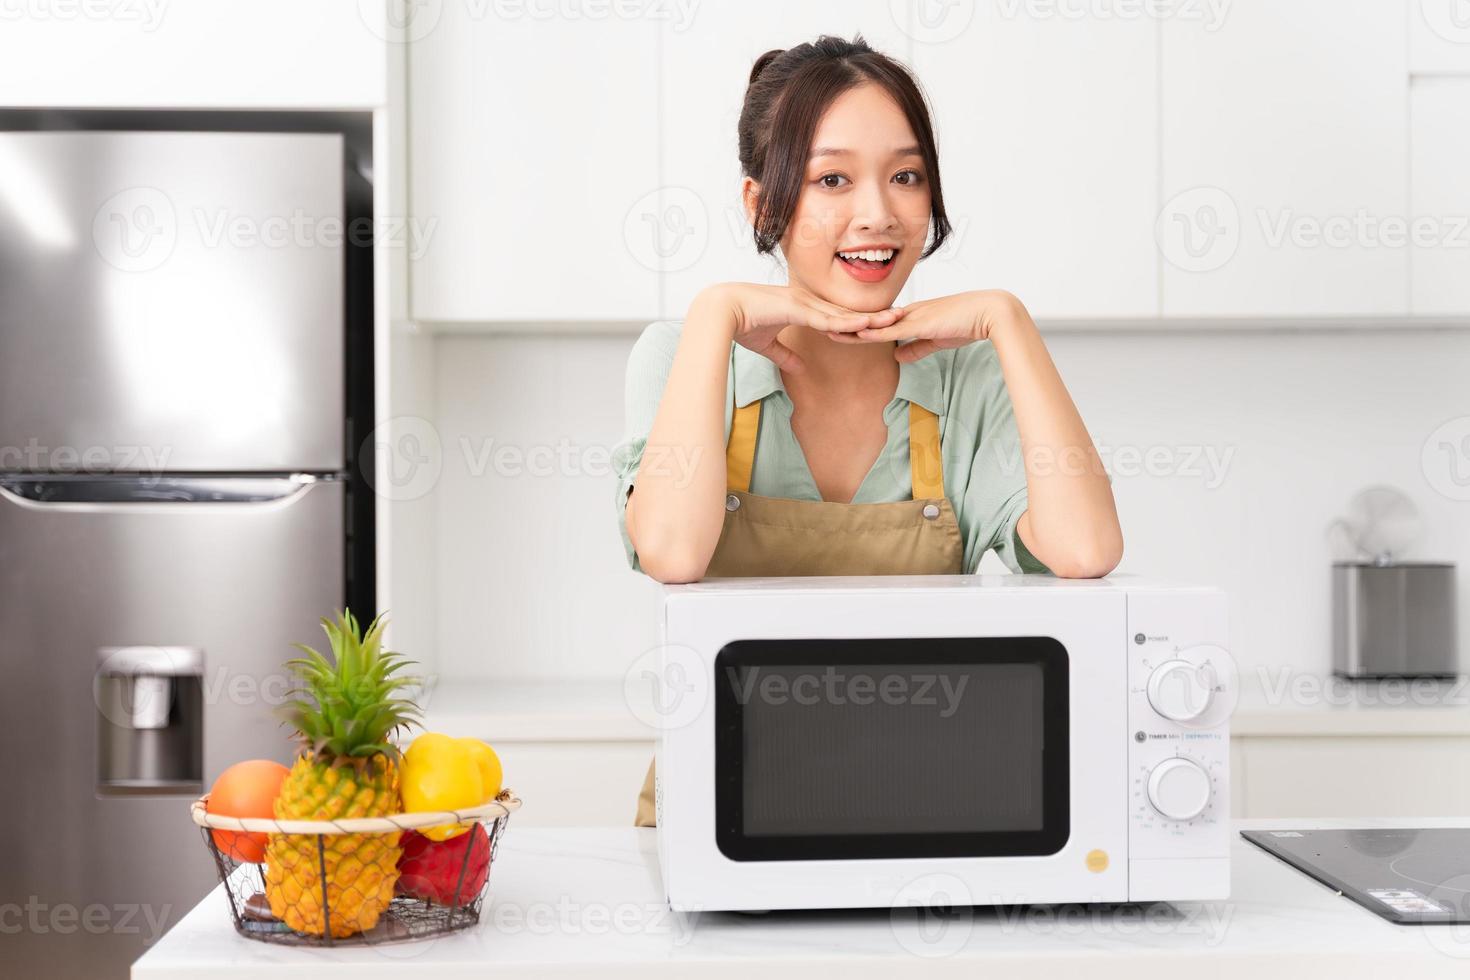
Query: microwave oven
(943, 740)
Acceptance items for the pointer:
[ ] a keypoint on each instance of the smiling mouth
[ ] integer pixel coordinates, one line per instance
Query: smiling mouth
(872, 258)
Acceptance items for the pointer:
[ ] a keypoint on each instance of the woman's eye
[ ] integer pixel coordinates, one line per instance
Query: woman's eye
(913, 176)
(831, 180)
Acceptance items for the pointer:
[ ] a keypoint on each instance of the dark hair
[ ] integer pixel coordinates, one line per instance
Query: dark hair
(787, 94)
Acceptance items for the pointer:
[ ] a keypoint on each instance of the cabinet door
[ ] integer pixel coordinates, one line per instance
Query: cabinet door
(533, 134)
(1439, 36)
(695, 226)
(1284, 183)
(258, 54)
(1440, 193)
(1048, 144)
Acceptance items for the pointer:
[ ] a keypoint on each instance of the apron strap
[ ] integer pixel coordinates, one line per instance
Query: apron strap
(740, 451)
(925, 463)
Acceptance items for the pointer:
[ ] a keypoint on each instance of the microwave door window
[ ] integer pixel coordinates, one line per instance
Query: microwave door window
(871, 749)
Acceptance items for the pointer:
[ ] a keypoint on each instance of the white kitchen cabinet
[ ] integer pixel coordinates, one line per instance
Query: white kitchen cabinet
(1283, 157)
(701, 235)
(1439, 36)
(1439, 272)
(533, 150)
(1048, 143)
(1330, 776)
(258, 54)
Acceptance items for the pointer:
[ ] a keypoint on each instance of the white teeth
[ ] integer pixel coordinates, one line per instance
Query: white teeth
(871, 254)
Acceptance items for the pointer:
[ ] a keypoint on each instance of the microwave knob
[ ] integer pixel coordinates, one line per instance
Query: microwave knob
(1178, 690)
(1179, 789)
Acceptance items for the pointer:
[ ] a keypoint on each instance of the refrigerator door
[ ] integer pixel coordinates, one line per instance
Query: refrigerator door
(114, 592)
(171, 301)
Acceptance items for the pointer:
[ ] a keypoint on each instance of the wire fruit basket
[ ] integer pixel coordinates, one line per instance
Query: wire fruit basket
(331, 877)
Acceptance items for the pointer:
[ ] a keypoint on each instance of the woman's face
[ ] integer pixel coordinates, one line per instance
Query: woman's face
(865, 191)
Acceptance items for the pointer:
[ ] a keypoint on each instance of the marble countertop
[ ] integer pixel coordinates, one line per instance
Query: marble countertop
(587, 903)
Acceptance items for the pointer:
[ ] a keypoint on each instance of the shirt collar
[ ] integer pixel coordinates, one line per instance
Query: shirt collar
(921, 382)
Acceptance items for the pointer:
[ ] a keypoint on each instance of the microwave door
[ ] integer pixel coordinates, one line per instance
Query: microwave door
(171, 302)
(143, 628)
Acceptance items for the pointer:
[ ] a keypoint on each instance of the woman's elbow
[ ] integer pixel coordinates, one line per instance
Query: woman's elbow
(1091, 562)
(669, 561)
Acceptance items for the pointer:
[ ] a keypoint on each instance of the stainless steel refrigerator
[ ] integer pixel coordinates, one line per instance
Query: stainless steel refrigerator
(185, 341)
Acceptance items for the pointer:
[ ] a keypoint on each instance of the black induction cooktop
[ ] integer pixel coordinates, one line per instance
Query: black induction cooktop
(1412, 877)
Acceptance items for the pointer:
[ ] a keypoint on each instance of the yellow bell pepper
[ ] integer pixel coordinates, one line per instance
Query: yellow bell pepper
(443, 773)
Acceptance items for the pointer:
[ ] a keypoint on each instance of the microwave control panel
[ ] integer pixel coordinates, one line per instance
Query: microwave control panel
(1182, 688)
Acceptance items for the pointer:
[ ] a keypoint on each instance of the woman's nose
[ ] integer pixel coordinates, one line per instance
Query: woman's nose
(873, 211)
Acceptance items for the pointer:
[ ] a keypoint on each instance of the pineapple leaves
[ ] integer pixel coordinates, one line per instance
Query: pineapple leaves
(347, 707)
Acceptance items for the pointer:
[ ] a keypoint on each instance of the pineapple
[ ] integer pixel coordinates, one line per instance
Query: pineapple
(344, 713)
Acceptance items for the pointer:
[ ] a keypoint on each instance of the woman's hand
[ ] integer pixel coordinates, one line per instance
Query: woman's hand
(944, 323)
(762, 312)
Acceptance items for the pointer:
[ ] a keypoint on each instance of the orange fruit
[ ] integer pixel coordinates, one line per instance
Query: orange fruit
(246, 789)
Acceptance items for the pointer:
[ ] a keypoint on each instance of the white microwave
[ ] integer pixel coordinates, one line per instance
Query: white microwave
(943, 740)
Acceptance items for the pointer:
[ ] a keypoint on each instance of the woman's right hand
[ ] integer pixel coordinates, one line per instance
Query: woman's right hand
(761, 312)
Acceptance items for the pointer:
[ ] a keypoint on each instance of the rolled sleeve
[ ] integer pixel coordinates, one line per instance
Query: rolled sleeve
(649, 363)
(1009, 546)
(995, 496)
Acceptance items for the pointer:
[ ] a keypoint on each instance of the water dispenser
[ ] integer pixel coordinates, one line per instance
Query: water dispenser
(150, 720)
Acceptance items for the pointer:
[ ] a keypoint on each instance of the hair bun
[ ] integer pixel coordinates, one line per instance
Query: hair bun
(763, 61)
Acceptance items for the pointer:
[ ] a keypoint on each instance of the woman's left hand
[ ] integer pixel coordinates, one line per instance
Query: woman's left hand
(941, 324)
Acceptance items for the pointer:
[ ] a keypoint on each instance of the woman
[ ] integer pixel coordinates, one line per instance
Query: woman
(858, 438)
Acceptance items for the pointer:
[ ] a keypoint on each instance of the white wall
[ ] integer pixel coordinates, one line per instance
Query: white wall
(532, 581)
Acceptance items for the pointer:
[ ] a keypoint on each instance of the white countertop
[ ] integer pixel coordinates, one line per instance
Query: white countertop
(587, 902)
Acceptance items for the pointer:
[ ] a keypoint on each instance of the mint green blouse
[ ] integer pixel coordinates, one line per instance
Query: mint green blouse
(984, 478)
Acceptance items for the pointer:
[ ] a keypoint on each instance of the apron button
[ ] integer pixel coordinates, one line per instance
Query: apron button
(732, 502)
(931, 511)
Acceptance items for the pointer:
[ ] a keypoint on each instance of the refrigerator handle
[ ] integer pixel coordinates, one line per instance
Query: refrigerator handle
(130, 493)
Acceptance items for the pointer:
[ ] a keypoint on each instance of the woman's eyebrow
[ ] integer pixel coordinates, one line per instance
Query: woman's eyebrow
(838, 151)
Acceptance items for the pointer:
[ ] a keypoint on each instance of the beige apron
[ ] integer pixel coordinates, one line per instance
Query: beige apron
(771, 536)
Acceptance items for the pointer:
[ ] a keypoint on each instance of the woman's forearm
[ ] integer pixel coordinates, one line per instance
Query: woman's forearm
(1071, 522)
(677, 508)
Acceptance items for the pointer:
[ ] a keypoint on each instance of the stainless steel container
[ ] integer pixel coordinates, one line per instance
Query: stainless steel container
(1394, 619)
